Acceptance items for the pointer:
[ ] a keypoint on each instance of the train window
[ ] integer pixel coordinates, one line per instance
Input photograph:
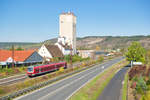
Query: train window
(45, 68)
(30, 69)
(36, 70)
(41, 69)
(48, 68)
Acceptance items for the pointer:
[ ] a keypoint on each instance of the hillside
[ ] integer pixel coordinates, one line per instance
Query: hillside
(112, 42)
(89, 42)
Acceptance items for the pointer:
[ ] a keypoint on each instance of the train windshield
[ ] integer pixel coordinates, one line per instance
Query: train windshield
(30, 69)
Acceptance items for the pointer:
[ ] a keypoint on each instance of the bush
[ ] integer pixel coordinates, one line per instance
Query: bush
(148, 81)
(75, 58)
(141, 86)
(49, 75)
(61, 69)
(22, 69)
(10, 70)
(100, 59)
(2, 90)
(83, 64)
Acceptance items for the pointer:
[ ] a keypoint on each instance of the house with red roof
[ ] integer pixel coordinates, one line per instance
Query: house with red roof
(24, 56)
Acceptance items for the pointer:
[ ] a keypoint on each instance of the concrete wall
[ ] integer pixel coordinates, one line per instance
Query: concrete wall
(86, 53)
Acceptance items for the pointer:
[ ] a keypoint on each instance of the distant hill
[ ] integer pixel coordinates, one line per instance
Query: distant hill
(115, 42)
(89, 42)
(24, 45)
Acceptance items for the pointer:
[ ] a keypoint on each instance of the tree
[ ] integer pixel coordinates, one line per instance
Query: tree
(19, 49)
(122, 50)
(136, 52)
(100, 59)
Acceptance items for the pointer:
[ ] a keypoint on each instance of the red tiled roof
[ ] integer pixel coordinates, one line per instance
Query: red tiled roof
(18, 55)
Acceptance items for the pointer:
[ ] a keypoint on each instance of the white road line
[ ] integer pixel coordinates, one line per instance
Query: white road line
(12, 80)
(122, 82)
(44, 97)
(103, 67)
(86, 83)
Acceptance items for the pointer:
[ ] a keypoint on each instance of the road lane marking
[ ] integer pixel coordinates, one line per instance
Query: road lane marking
(103, 67)
(44, 97)
(122, 82)
(84, 84)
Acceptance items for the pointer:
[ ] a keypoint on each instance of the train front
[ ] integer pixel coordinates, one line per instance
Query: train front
(30, 71)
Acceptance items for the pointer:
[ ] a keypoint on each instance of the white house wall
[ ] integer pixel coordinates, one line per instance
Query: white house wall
(65, 52)
(61, 48)
(44, 52)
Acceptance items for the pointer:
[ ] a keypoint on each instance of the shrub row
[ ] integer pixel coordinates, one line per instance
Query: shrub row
(137, 71)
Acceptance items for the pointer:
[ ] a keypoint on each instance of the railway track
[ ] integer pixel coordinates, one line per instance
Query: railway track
(12, 79)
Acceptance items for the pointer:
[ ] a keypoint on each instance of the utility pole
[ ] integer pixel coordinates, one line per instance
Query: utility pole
(12, 56)
(71, 56)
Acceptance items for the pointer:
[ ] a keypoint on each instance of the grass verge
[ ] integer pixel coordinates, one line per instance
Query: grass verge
(124, 89)
(94, 88)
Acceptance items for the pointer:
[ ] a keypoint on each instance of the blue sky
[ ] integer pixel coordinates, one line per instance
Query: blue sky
(37, 20)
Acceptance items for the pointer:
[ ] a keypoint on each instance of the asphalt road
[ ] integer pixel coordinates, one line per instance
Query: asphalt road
(63, 89)
(113, 90)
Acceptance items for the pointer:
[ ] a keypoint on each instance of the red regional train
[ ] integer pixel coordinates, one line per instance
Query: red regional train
(40, 69)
